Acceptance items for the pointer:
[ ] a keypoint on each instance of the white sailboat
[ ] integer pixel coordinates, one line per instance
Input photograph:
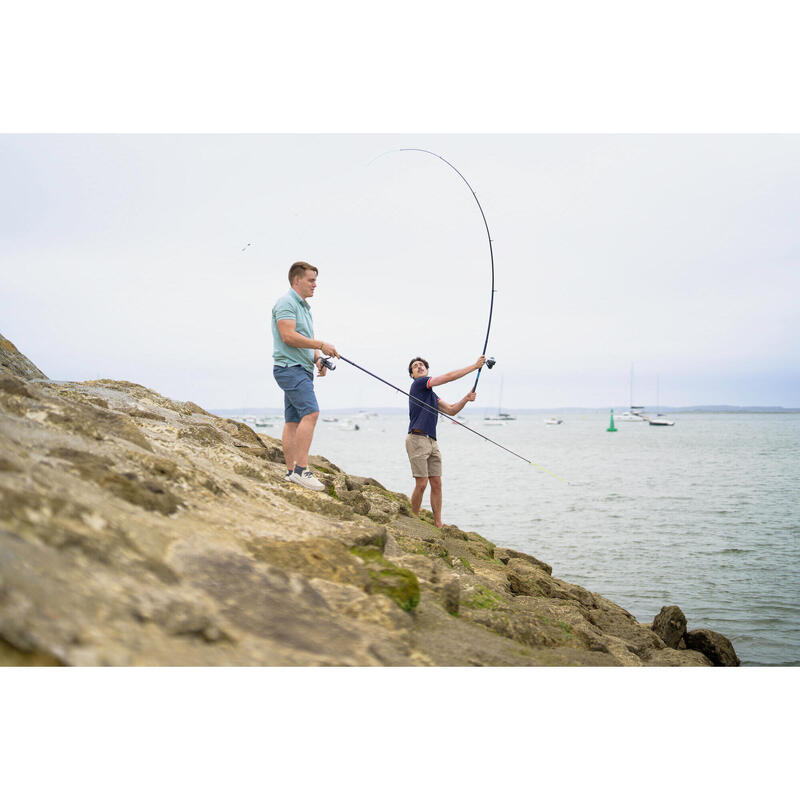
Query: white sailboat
(635, 413)
(659, 420)
(501, 418)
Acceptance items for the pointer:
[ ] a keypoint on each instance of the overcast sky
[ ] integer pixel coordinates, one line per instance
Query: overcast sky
(122, 257)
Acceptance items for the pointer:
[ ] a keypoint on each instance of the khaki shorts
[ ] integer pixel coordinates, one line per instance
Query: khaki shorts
(424, 455)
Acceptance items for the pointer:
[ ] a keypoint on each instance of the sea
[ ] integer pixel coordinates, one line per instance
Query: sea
(704, 515)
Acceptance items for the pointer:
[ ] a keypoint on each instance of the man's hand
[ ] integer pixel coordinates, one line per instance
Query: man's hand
(322, 370)
(470, 397)
(479, 363)
(329, 350)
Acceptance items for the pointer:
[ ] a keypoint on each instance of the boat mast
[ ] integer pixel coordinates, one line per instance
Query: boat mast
(631, 384)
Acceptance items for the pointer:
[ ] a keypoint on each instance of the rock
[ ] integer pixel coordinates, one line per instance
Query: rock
(505, 554)
(716, 647)
(11, 385)
(518, 585)
(10, 656)
(14, 363)
(427, 571)
(193, 408)
(670, 625)
(614, 621)
(355, 501)
(354, 482)
(675, 658)
(205, 435)
(368, 536)
(450, 594)
(315, 557)
(383, 505)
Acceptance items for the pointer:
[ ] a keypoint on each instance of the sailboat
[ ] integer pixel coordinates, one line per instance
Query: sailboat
(501, 418)
(659, 419)
(636, 413)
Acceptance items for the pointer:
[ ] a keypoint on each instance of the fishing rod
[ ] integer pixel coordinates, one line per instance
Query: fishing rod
(326, 362)
(490, 362)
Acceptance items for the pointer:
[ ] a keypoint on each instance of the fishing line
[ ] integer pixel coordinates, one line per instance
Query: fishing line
(490, 362)
(436, 411)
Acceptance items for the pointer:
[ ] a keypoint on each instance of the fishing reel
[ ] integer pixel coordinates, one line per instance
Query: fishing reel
(490, 362)
(324, 361)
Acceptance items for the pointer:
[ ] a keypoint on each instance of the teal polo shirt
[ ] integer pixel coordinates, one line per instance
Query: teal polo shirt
(292, 306)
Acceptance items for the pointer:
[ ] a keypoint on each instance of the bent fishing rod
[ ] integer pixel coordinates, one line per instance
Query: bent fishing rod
(326, 362)
(490, 362)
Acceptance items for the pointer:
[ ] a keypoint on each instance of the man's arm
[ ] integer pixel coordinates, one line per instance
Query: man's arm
(455, 374)
(290, 336)
(454, 408)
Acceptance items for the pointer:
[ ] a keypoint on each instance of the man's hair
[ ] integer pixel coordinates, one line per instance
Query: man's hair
(418, 358)
(299, 268)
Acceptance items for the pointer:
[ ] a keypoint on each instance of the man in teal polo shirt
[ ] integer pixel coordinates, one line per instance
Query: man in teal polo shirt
(296, 352)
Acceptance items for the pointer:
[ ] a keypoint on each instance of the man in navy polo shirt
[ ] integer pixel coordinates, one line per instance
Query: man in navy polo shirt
(295, 352)
(423, 452)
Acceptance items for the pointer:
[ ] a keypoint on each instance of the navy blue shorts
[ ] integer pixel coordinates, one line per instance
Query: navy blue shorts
(299, 399)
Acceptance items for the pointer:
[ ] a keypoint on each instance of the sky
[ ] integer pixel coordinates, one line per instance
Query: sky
(122, 257)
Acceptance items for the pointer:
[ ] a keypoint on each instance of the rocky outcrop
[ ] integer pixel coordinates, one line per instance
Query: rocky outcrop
(139, 530)
(14, 363)
(714, 646)
(670, 625)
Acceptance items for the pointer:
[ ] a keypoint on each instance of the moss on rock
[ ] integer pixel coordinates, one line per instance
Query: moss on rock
(413, 544)
(483, 597)
(400, 585)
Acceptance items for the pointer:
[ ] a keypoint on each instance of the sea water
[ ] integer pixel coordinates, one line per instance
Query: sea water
(704, 515)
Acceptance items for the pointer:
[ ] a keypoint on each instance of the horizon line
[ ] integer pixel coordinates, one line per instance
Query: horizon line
(722, 407)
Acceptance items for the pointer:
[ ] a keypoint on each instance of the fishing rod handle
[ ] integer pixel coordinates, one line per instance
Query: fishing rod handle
(490, 362)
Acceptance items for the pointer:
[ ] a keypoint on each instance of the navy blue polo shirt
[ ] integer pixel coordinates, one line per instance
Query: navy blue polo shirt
(421, 418)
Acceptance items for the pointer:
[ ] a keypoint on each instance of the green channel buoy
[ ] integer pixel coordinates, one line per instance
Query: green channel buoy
(611, 428)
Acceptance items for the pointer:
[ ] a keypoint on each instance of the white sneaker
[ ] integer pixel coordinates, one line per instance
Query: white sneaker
(287, 476)
(307, 481)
